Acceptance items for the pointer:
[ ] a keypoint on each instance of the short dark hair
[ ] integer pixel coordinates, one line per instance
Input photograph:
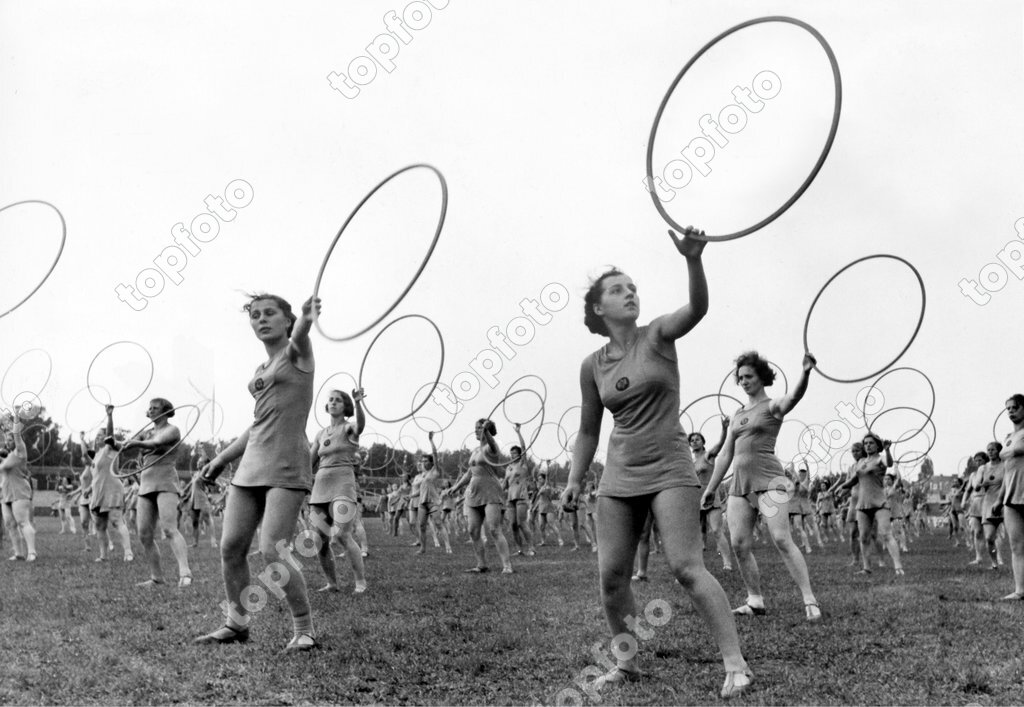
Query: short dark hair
(348, 408)
(168, 408)
(1017, 398)
(594, 323)
(488, 425)
(696, 434)
(276, 299)
(760, 365)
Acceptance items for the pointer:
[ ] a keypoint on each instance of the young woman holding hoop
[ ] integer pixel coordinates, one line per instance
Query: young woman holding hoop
(275, 473)
(157, 503)
(649, 469)
(107, 504)
(484, 496)
(759, 484)
(1011, 503)
(16, 499)
(871, 502)
(333, 502)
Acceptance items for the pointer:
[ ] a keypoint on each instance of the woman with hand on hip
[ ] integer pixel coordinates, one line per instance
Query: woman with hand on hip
(275, 473)
(759, 483)
(649, 469)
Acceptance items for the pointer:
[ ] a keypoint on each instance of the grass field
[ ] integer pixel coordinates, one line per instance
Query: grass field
(76, 632)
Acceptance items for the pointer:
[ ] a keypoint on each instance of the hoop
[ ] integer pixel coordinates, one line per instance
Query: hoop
(181, 438)
(214, 404)
(21, 408)
(544, 398)
(426, 258)
(389, 456)
(67, 409)
(60, 250)
(705, 397)
(920, 320)
(561, 428)
(995, 424)
(863, 410)
(316, 398)
(541, 412)
(836, 110)
(88, 373)
(430, 395)
(732, 371)
(49, 371)
(440, 366)
(44, 430)
(905, 437)
(437, 442)
(536, 435)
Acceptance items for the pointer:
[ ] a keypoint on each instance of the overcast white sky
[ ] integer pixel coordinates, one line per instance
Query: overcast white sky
(127, 116)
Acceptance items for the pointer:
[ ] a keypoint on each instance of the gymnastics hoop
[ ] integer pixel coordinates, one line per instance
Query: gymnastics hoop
(683, 424)
(544, 385)
(508, 395)
(67, 409)
(438, 434)
(181, 438)
(836, 110)
(426, 258)
(390, 450)
(904, 437)
(561, 428)
(863, 409)
(705, 397)
(49, 373)
(44, 431)
(920, 319)
(88, 373)
(536, 436)
(60, 250)
(430, 395)
(501, 404)
(995, 424)
(732, 372)
(20, 408)
(369, 348)
(213, 404)
(316, 398)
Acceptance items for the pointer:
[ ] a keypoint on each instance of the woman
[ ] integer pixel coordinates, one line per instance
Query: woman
(799, 506)
(334, 500)
(992, 474)
(275, 473)
(1012, 501)
(517, 485)
(649, 469)
(544, 502)
(16, 498)
(956, 508)
(759, 484)
(711, 518)
(107, 504)
(590, 506)
(871, 501)
(430, 500)
(484, 497)
(67, 522)
(974, 495)
(157, 503)
(850, 514)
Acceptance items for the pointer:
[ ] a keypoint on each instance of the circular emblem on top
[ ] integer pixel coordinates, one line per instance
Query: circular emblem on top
(622, 383)
(259, 384)
(327, 443)
(744, 420)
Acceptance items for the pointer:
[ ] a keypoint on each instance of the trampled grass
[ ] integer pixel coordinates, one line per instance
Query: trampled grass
(76, 632)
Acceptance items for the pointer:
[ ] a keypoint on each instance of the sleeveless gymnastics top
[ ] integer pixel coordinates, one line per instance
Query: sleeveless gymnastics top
(647, 451)
(277, 454)
(414, 491)
(429, 493)
(518, 475)
(754, 464)
(484, 485)
(1013, 469)
(15, 475)
(85, 483)
(992, 484)
(336, 476)
(161, 477)
(870, 476)
(107, 491)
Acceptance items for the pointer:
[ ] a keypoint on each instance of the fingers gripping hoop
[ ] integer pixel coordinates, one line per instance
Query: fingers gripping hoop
(920, 319)
(426, 258)
(836, 110)
(88, 375)
(440, 366)
(60, 250)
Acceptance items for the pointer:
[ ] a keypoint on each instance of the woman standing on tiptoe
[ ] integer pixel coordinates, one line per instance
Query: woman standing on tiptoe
(649, 468)
(275, 474)
(759, 484)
